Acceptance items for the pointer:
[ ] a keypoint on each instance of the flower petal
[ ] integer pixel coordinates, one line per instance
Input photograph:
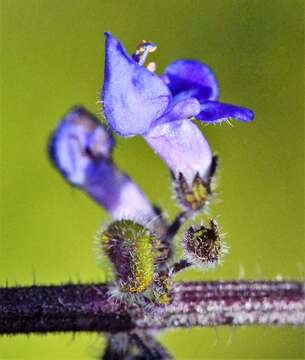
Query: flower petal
(133, 96)
(77, 140)
(183, 147)
(184, 109)
(193, 78)
(213, 112)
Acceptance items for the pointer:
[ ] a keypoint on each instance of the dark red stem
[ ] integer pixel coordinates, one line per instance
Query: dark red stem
(41, 309)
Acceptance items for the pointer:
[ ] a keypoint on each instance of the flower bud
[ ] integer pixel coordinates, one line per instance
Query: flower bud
(130, 249)
(203, 245)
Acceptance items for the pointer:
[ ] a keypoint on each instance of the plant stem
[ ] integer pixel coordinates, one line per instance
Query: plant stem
(174, 227)
(150, 348)
(180, 265)
(62, 308)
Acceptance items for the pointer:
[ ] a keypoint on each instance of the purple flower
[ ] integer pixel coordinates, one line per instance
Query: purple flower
(81, 150)
(136, 99)
(138, 102)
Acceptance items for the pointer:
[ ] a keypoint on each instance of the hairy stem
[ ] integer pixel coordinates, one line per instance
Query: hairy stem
(180, 265)
(150, 348)
(117, 347)
(175, 226)
(41, 309)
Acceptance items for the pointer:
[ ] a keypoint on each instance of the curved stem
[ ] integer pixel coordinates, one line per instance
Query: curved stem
(41, 309)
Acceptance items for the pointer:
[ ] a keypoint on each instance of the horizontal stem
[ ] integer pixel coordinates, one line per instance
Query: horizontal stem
(41, 309)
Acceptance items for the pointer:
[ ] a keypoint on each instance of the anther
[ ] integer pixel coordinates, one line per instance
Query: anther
(142, 51)
(152, 67)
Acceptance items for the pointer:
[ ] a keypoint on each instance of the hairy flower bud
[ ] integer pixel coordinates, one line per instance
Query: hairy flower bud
(137, 257)
(203, 245)
(130, 249)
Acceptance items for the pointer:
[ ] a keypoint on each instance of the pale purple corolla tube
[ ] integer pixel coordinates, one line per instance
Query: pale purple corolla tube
(184, 149)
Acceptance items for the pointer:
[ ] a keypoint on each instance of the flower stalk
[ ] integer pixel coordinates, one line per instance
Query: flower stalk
(66, 308)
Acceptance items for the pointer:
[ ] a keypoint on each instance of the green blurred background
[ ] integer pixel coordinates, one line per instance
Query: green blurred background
(52, 57)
